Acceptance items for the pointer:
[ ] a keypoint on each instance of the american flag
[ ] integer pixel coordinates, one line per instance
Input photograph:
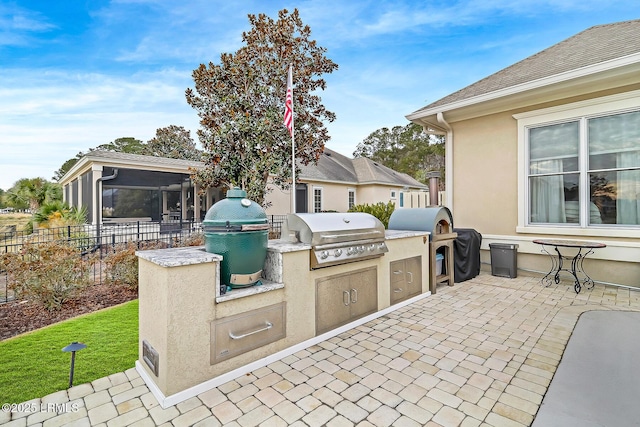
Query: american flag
(288, 104)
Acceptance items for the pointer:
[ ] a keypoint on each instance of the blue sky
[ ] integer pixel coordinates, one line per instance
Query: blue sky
(79, 73)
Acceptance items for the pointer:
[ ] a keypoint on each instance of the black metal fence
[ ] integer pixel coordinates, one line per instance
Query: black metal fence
(108, 238)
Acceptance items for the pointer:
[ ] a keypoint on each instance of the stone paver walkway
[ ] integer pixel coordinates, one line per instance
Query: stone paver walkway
(480, 353)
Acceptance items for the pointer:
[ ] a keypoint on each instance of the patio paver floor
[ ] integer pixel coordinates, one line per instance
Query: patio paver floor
(480, 353)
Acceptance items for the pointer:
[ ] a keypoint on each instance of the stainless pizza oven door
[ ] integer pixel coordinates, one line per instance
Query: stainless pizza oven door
(337, 238)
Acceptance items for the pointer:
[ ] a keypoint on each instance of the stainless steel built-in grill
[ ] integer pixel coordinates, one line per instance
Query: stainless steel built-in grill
(337, 238)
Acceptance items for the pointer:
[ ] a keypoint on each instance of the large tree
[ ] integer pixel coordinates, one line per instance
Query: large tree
(66, 166)
(32, 193)
(240, 103)
(123, 145)
(174, 142)
(120, 145)
(405, 149)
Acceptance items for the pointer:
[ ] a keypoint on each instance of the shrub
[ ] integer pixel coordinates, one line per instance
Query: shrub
(122, 263)
(379, 210)
(49, 273)
(193, 239)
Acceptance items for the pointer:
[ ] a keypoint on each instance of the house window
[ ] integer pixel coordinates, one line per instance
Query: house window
(614, 167)
(352, 198)
(582, 171)
(393, 194)
(317, 199)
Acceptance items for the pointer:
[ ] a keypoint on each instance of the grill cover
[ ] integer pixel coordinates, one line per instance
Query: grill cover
(467, 254)
(436, 220)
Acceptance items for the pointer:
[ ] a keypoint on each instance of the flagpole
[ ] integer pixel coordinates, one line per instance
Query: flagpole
(289, 123)
(293, 172)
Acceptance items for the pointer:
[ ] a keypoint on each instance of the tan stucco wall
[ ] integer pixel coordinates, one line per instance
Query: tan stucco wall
(375, 193)
(178, 304)
(485, 156)
(485, 198)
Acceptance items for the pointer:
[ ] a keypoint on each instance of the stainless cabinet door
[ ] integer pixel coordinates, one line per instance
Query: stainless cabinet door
(333, 300)
(414, 275)
(364, 292)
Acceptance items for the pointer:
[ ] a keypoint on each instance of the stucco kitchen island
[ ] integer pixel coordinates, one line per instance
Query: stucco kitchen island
(193, 338)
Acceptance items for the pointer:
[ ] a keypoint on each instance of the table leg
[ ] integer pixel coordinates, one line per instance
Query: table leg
(587, 282)
(574, 262)
(557, 277)
(547, 279)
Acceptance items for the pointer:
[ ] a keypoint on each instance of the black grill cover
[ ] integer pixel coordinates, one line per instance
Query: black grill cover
(466, 248)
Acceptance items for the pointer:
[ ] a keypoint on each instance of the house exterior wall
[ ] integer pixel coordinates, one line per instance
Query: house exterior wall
(376, 193)
(335, 196)
(485, 174)
(487, 195)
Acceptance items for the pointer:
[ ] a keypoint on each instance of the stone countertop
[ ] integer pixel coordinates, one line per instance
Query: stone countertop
(403, 234)
(176, 257)
(283, 246)
(190, 255)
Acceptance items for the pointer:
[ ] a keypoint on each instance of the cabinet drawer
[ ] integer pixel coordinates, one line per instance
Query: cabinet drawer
(405, 279)
(243, 332)
(397, 271)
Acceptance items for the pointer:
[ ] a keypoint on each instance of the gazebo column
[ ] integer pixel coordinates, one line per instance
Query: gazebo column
(196, 203)
(96, 203)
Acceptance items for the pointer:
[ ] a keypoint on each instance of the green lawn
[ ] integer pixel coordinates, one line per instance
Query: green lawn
(34, 365)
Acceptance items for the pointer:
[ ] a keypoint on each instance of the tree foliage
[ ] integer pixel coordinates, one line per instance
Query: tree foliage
(66, 166)
(174, 142)
(31, 193)
(405, 149)
(240, 102)
(128, 145)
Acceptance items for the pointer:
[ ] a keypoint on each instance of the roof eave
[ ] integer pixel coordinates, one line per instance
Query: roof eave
(623, 65)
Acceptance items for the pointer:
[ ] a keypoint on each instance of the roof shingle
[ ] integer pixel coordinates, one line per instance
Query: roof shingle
(592, 46)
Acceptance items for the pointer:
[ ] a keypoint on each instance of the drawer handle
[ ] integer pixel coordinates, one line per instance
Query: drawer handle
(397, 272)
(268, 326)
(410, 276)
(345, 298)
(354, 296)
(397, 290)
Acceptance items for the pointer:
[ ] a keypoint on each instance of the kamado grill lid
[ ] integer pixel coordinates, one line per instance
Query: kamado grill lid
(234, 212)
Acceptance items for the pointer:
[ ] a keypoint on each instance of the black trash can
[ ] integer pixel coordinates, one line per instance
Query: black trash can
(466, 248)
(504, 259)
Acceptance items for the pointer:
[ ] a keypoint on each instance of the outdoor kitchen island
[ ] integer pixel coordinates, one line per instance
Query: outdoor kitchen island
(193, 337)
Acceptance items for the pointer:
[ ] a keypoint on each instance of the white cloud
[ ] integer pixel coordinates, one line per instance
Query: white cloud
(47, 118)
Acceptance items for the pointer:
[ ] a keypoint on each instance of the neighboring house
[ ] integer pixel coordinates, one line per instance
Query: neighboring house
(550, 147)
(130, 187)
(337, 182)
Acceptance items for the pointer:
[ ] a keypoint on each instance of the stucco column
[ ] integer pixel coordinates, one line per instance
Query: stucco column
(96, 203)
(196, 203)
(165, 209)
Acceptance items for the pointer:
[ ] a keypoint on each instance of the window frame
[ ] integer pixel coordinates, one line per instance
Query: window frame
(321, 201)
(350, 192)
(581, 111)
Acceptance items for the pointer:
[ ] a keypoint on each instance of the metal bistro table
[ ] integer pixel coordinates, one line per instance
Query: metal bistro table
(576, 261)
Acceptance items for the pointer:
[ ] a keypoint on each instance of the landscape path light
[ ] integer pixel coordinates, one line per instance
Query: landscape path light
(73, 347)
